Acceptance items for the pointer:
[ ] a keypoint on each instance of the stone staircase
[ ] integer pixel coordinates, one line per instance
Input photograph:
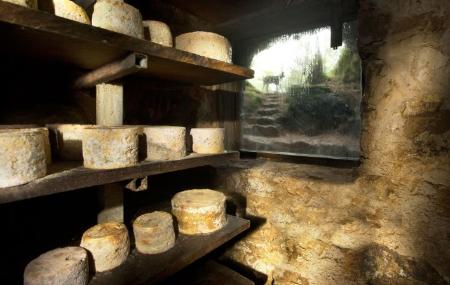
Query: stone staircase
(261, 131)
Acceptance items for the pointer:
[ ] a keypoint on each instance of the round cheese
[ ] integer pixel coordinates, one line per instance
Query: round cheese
(199, 211)
(154, 232)
(108, 243)
(117, 16)
(158, 32)
(165, 142)
(25, 3)
(110, 147)
(208, 140)
(69, 10)
(68, 139)
(22, 156)
(61, 266)
(205, 44)
(45, 136)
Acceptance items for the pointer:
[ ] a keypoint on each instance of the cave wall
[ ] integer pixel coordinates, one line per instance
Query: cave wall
(387, 221)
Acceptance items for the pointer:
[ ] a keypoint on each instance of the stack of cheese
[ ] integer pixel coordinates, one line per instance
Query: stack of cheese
(24, 155)
(199, 211)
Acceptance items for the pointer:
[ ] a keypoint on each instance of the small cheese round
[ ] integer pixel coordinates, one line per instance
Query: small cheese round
(208, 140)
(199, 211)
(68, 139)
(205, 44)
(165, 142)
(117, 16)
(154, 232)
(158, 32)
(69, 10)
(108, 243)
(61, 266)
(25, 3)
(22, 156)
(110, 147)
(45, 136)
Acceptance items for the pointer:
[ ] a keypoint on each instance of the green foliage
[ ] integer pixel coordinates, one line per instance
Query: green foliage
(348, 67)
(315, 110)
(252, 97)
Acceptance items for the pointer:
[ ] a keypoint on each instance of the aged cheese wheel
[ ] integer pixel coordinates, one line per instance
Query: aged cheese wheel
(117, 16)
(110, 147)
(158, 32)
(206, 44)
(45, 136)
(25, 3)
(69, 10)
(165, 142)
(22, 157)
(199, 211)
(61, 266)
(208, 140)
(154, 232)
(68, 139)
(108, 243)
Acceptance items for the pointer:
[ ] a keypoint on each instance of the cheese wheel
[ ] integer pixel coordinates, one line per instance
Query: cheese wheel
(108, 243)
(69, 10)
(61, 266)
(205, 44)
(208, 140)
(22, 156)
(165, 142)
(199, 211)
(25, 3)
(45, 136)
(154, 232)
(68, 138)
(110, 147)
(158, 32)
(117, 16)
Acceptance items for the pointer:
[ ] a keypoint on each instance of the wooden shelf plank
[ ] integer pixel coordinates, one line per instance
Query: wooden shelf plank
(67, 176)
(208, 272)
(37, 34)
(150, 269)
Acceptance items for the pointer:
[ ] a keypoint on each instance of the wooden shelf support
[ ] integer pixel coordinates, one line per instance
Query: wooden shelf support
(132, 63)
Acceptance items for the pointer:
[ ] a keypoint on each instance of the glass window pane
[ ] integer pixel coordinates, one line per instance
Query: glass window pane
(305, 97)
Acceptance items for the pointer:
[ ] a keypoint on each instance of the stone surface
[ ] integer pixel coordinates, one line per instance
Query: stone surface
(154, 232)
(108, 243)
(205, 44)
(69, 10)
(110, 147)
(117, 16)
(165, 142)
(158, 32)
(199, 211)
(22, 156)
(208, 140)
(387, 222)
(61, 266)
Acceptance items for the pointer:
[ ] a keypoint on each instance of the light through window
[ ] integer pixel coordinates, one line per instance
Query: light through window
(305, 96)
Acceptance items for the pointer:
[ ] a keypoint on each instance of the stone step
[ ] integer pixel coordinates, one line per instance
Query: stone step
(266, 131)
(268, 111)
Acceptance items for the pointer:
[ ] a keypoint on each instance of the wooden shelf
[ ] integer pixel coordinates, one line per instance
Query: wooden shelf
(150, 269)
(36, 34)
(67, 176)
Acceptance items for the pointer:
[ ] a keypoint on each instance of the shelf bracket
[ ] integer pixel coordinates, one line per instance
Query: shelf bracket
(133, 63)
(138, 184)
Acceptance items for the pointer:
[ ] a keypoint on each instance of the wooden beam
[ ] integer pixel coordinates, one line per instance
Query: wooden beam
(68, 176)
(132, 63)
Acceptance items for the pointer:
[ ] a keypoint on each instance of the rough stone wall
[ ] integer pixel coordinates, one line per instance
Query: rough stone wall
(387, 222)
